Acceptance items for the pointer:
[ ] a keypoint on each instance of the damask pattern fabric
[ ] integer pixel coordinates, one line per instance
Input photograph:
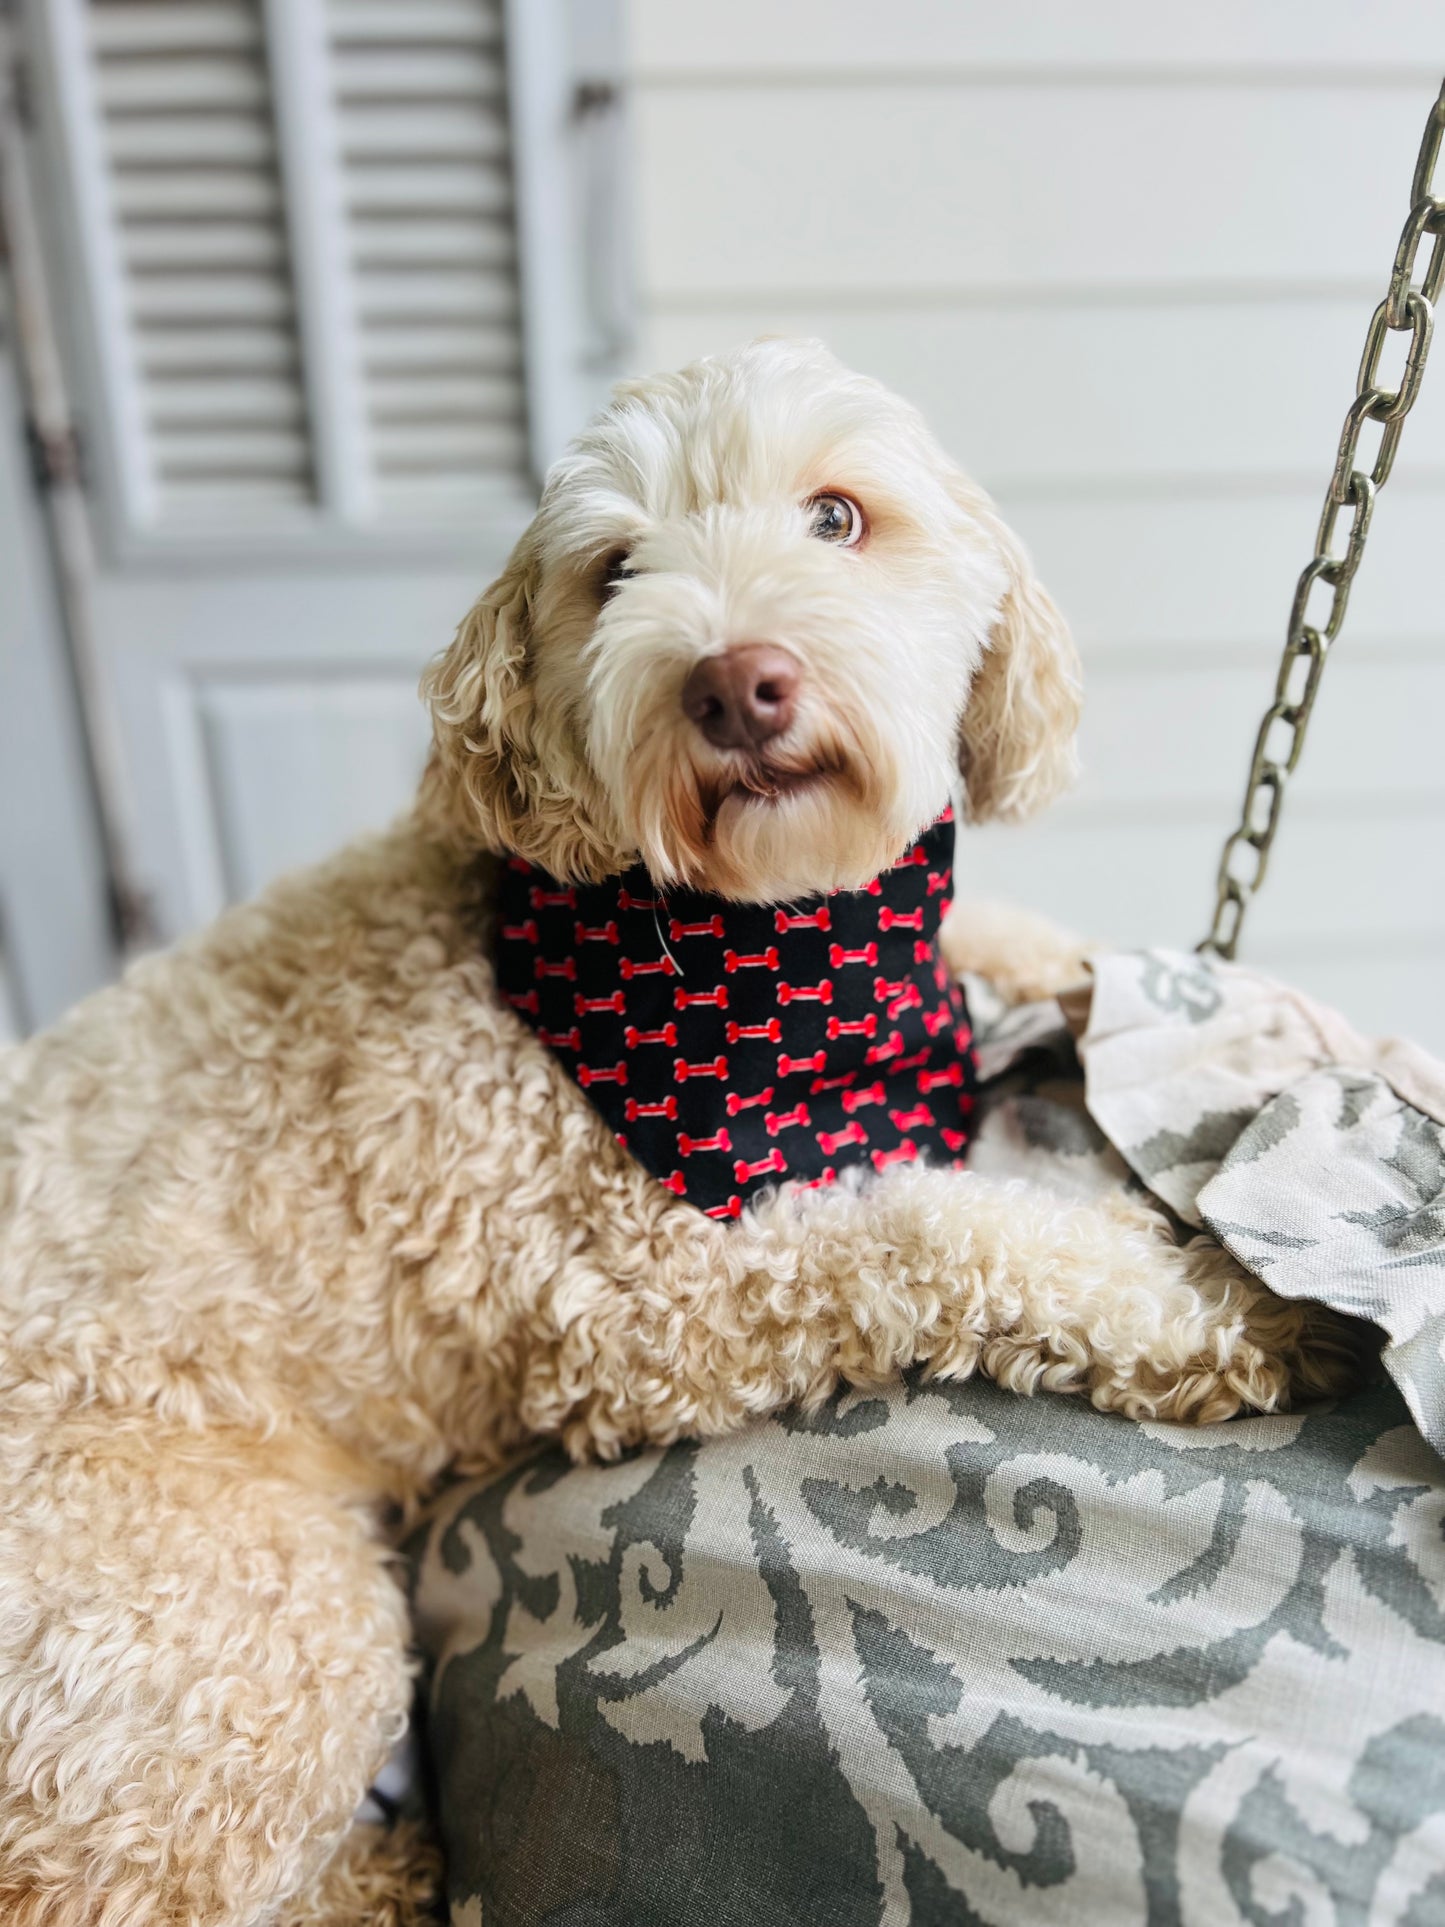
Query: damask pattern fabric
(1316, 1156)
(950, 1657)
(733, 1045)
(953, 1658)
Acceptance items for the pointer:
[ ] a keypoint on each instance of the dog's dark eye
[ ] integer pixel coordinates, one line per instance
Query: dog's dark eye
(836, 518)
(616, 571)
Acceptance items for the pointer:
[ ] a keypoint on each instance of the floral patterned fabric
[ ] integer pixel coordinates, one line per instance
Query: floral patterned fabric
(951, 1657)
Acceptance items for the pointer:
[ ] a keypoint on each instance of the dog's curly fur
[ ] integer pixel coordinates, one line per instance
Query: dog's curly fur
(299, 1215)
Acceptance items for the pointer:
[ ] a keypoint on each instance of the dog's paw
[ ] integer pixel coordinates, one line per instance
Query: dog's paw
(1259, 1353)
(1023, 956)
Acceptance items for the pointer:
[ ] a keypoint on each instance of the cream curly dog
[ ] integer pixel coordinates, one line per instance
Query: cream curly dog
(300, 1214)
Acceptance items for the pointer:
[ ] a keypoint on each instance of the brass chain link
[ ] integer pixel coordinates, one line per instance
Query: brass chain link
(1408, 307)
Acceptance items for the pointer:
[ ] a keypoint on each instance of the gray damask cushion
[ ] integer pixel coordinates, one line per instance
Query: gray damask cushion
(952, 1657)
(956, 1658)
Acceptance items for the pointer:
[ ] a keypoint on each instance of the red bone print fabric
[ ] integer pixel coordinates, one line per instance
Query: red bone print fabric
(736, 1045)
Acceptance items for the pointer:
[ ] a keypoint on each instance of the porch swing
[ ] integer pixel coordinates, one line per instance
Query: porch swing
(1408, 308)
(939, 1654)
(1262, 1118)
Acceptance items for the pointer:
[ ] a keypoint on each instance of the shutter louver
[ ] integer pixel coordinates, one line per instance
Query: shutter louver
(421, 117)
(189, 144)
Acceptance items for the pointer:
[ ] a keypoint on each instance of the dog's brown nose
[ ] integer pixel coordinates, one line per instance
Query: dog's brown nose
(744, 697)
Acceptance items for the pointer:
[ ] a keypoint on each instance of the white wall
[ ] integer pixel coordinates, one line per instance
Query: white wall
(1124, 257)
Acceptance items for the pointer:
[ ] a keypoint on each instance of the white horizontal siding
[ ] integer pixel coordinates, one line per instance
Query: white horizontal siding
(881, 191)
(1123, 257)
(813, 40)
(1155, 571)
(1045, 395)
(1375, 730)
(1344, 885)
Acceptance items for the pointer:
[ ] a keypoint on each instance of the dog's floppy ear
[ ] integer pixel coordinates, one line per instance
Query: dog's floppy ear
(483, 780)
(1017, 750)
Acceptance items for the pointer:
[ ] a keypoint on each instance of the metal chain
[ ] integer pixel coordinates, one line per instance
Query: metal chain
(1408, 308)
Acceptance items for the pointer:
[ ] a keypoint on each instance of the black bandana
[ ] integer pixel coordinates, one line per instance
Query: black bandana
(736, 1045)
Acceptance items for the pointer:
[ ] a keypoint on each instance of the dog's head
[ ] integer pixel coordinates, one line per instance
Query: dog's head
(758, 627)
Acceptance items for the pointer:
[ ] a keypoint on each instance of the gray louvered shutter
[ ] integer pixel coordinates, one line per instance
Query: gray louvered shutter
(325, 269)
(187, 144)
(301, 214)
(421, 119)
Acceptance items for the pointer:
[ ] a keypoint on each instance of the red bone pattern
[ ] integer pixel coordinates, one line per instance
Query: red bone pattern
(682, 1070)
(934, 1080)
(736, 1103)
(791, 977)
(664, 1107)
(617, 1003)
(805, 993)
(664, 967)
(870, 1094)
(772, 1030)
(632, 1036)
(903, 1153)
(588, 1075)
(774, 1161)
(852, 1027)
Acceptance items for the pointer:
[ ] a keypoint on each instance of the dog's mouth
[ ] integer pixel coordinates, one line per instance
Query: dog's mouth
(760, 784)
(768, 785)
